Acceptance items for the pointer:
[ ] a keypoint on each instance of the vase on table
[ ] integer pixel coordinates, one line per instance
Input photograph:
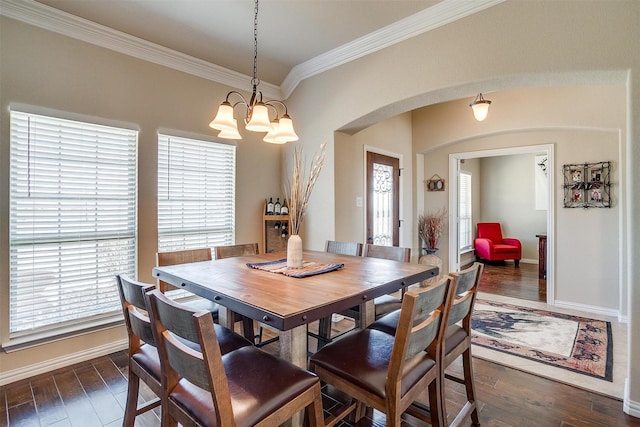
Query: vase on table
(294, 251)
(431, 259)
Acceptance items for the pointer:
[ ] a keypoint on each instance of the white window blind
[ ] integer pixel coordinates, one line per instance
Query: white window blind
(464, 210)
(72, 220)
(196, 193)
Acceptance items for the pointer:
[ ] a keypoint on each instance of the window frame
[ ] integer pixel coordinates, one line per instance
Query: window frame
(465, 216)
(34, 200)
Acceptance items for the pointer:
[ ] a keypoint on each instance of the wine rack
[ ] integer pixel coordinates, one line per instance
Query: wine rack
(272, 239)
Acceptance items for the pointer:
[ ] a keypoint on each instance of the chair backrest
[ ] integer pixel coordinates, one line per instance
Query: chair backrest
(421, 327)
(236, 250)
(465, 295)
(395, 253)
(180, 257)
(343, 248)
(200, 364)
(490, 230)
(135, 313)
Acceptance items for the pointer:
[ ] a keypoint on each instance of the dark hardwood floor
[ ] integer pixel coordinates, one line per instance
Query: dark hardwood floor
(93, 393)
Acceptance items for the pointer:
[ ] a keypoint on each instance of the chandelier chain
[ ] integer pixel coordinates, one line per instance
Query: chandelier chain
(255, 81)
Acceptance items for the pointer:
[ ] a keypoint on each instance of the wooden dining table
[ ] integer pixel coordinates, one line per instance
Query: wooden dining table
(289, 304)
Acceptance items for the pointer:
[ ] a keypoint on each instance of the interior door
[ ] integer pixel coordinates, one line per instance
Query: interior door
(383, 199)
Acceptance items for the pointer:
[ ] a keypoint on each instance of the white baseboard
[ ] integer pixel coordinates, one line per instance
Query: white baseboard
(628, 406)
(587, 308)
(7, 377)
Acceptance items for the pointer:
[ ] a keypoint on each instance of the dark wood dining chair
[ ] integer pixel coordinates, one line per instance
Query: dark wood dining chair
(342, 248)
(244, 249)
(457, 337)
(184, 257)
(384, 304)
(389, 372)
(246, 387)
(143, 361)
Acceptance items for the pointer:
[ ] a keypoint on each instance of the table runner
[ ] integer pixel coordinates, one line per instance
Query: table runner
(309, 268)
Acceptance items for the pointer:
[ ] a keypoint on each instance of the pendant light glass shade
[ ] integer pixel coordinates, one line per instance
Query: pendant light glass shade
(480, 107)
(270, 137)
(230, 133)
(259, 121)
(224, 118)
(285, 130)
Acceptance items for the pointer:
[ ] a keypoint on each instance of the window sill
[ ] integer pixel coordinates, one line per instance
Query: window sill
(23, 341)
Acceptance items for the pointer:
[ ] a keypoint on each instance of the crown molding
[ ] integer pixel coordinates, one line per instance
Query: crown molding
(429, 19)
(49, 18)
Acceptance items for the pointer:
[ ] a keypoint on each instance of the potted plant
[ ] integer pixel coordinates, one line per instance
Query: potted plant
(430, 228)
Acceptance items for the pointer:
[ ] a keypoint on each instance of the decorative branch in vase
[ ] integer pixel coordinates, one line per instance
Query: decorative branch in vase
(298, 192)
(430, 228)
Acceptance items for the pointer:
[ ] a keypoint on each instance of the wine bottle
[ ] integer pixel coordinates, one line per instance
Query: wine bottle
(277, 206)
(270, 206)
(284, 231)
(284, 210)
(276, 225)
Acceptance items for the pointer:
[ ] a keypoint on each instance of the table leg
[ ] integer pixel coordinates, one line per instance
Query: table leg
(293, 347)
(367, 314)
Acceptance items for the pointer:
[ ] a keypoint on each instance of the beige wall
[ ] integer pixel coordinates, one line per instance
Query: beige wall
(534, 44)
(511, 45)
(47, 70)
(507, 193)
(391, 137)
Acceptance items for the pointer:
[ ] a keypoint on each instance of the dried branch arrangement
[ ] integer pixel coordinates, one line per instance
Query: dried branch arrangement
(431, 226)
(299, 188)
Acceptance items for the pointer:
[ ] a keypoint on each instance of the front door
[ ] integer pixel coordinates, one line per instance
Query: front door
(383, 199)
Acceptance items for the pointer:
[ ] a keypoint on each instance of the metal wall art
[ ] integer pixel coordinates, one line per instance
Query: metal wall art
(587, 185)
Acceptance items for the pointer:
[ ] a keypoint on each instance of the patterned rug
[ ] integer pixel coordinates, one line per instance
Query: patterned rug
(574, 343)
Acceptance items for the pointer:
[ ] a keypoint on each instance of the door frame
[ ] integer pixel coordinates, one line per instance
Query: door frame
(372, 149)
(454, 161)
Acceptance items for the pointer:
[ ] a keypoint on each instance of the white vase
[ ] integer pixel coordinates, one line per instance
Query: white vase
(294, 251)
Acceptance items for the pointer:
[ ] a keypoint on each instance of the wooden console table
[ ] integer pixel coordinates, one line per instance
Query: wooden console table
(542, 255)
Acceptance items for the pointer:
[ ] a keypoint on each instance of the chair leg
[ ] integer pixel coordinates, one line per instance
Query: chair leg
(437, 403)
(469, 385)
(324, 331)
(131, 406)
(517, 261)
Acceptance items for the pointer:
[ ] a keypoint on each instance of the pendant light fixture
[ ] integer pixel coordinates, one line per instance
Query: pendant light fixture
(256, 111)
(480, 107)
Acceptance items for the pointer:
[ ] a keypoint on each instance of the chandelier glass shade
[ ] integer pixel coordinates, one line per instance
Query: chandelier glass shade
(279, 130)
(480, 107)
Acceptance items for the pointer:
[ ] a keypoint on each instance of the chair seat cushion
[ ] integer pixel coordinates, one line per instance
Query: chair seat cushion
(500, 248)
(229, 340)
(259, 383)
(388, 323)
(147, 357)
(362, 357)
(203, 304)
(385, 304)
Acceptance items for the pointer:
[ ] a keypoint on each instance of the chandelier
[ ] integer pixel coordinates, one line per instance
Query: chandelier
(256, 111)
(480, 107)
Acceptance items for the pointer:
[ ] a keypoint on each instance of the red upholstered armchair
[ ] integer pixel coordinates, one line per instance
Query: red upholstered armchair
(490, 244)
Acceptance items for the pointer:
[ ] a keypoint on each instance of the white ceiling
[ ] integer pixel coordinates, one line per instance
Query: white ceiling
(296, 38)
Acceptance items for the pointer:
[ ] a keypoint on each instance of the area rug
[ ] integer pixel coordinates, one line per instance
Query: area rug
(574, 343)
